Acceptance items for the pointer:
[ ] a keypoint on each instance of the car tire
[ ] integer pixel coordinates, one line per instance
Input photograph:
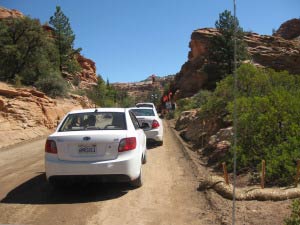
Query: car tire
(138, 182)
(54, 183)
(160, 143)
(144, 159)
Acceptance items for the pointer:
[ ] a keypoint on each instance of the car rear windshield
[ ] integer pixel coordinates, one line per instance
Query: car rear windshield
(94, 121)
(144, 105)
(143, 112)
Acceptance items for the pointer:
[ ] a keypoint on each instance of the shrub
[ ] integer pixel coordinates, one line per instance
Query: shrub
(294, 218)
(53, 86)
(268, 115)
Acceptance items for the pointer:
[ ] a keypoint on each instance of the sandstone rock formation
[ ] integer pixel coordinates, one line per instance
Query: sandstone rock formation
(26, 113)
(86, 78)
(267, 51)
(289, 30)
(7, 13)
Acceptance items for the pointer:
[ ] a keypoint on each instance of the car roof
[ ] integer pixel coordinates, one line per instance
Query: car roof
(98, 110)
(149, 103)
(140, 108)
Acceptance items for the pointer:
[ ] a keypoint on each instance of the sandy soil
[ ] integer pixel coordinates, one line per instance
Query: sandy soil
(169, 194)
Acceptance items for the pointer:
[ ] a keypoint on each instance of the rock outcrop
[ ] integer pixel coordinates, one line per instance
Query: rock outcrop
(26, 113)
(280, 52)
(289, 30)
(86, 78)
(7, 13)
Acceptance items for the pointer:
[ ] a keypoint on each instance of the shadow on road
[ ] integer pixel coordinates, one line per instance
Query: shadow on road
(38, 191)
(152, 145)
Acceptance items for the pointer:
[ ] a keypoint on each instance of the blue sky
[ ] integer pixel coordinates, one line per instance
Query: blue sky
(131, 39)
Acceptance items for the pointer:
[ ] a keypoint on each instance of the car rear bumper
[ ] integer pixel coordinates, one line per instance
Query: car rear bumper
(155, 135)
(127, 164)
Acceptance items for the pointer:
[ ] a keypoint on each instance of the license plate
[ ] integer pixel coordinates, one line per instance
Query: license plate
(87, 149)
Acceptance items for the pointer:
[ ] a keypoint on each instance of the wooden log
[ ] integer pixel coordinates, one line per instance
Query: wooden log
(225, 173)
(263, 174)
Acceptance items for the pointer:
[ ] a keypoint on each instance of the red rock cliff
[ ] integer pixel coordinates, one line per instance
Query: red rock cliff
(267, 51)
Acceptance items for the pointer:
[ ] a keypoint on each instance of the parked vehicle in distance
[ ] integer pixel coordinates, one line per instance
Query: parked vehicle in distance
(106, 143)
(150, 121)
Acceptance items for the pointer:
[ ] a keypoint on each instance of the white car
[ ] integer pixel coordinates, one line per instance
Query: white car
(150, 121)
(106, 143)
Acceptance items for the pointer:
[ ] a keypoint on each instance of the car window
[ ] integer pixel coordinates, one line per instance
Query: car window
(94, 121)
(144, 105)
(143, 112)
(134, 121)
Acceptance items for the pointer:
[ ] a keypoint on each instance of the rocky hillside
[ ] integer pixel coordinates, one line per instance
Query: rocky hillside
(86, 78)
(280, 52)
(26, 113)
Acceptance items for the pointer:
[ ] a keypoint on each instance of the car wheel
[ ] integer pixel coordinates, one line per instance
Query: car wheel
(138, 182)
(144, 159)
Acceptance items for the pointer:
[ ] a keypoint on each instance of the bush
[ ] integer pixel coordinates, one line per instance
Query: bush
(268, 115)
(294, 218)
(53, 86)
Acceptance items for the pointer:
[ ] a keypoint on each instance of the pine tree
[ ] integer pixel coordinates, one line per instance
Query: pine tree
(221, 51)
(64, 38)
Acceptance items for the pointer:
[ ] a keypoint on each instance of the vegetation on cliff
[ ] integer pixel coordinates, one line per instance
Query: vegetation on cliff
(29, 54)
(221, 51)
(64, 41)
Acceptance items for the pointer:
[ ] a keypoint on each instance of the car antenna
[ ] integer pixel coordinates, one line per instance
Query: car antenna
(96, 110)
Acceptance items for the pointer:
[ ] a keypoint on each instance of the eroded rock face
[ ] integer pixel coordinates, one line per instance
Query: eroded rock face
(289, 30)
(87, 76)
(27, 113)
(266, 51)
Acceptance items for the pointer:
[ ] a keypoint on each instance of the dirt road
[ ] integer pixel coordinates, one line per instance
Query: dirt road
(169, 194)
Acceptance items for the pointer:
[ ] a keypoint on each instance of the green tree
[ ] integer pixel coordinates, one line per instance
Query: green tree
(105, 95)
(26, 51)
(221, 51)
(64, 39)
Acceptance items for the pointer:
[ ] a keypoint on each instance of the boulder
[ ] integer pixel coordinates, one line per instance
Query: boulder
(185, 118)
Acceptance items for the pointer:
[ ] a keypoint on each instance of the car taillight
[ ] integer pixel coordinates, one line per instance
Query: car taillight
(50, 147)
(155, 124)
(127, 144)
